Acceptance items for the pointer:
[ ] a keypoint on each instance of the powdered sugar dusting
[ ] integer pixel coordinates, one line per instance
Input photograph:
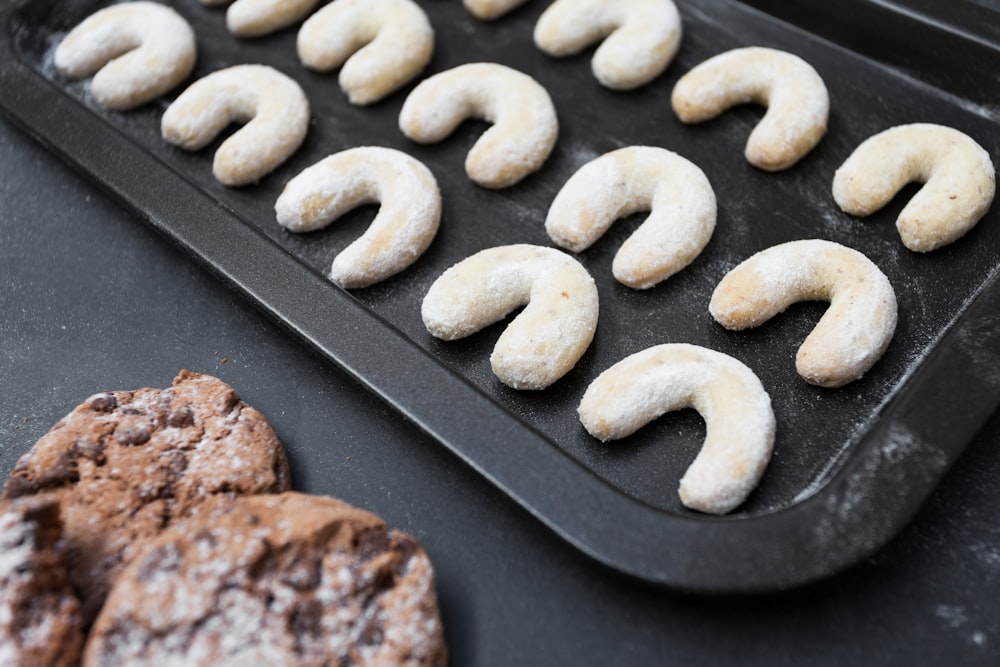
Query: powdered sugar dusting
(276, 580)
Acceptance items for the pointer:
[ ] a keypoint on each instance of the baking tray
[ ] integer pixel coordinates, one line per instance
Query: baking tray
(851, 466)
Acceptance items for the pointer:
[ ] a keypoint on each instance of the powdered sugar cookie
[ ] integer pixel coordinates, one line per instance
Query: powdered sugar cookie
(637, 178)
(140, 50)
(957, 173)
(640, 37)
(855, 330)
(382, 45)
(253, 18)
(524, 120)
(273, 106)
(408, 217)
(40, 621)
(487, 10)
(547, 338)
(287, 579)
(737, 412)
(798, 105)
(125, 465)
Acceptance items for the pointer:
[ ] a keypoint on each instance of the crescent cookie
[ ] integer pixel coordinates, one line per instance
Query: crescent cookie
(957, 173)
(798, 105)
(401, 231)
(547, 338)
(125, 465)
(487, 10)
(855, 330)
(639, 37)
(272, 105)
(254, 18)
(140, 50)
(524, 120)
(628, 180)
(277, 580)
(382, 45)
(737, 411)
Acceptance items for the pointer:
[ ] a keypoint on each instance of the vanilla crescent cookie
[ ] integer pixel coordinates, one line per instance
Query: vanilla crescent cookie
(524, 120)
(272, 105)
(254, 18)
(639, 37)
(628, 180)
(140, 50)
(407, 220)
(737, 411)
(382, 45)
(957, 173)
(798, 105)
(487, 10)
(547, 338)
(855, 330)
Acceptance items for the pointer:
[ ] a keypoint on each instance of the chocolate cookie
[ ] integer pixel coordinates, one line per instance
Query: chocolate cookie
(288, 579)
(125, 464)
(40, 621)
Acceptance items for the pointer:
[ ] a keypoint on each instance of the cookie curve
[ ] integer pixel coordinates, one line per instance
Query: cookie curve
(739, 418)
(380, 45)
(853, 333)
(797, 101)
(273, 105)
(958, 176)
(317, 556)
(628, 180)
(489, 10)
(256, 18)
(137, 51)
(403, 228)
(525, 126)
(546, 339)
(638, 38)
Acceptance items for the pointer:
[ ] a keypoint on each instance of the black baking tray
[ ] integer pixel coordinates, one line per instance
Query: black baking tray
(851, 465)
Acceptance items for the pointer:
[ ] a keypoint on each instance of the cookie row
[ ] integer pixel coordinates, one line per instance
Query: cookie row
(958, 172)
(158, 526)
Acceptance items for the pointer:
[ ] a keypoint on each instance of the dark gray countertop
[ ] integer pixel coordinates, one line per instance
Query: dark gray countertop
(91, 299)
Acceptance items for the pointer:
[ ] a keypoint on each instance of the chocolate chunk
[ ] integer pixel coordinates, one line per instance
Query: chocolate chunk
(181, 417)
(103, 402)
(18, 486)
(133, 435)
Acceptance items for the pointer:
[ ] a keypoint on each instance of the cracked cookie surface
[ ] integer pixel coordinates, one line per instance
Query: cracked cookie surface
(124, 465)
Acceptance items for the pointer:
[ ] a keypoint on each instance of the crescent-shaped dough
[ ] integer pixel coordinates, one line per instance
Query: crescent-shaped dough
(254, 18)
(407, 220)
(524, 120)
(382, 45)
(957, 173)
(798, 105)
(854, 331)
(272, 105)
(487, 10)
(739, 420)
(547, 338)
(639, 37)
(637, 178)
(140, 50)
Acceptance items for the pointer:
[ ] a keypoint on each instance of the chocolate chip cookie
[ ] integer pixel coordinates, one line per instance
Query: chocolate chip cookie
(40, 621)
(126, 464)
(287, 579)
